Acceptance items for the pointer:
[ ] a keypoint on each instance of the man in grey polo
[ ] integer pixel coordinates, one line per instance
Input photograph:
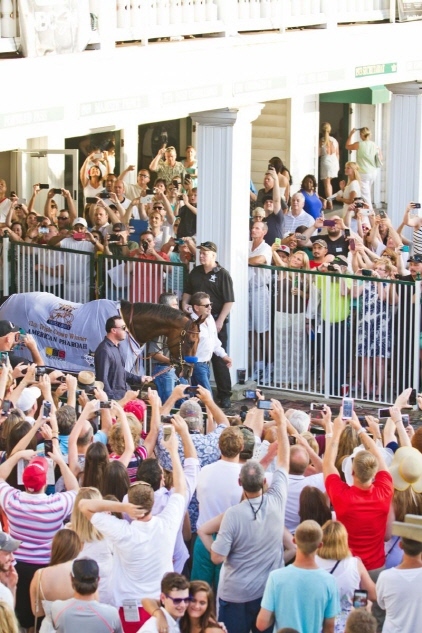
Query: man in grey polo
(249, 543)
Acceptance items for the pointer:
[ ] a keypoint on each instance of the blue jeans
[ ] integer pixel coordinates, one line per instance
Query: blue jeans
(165, 382)
(240, 617)
(201, 376)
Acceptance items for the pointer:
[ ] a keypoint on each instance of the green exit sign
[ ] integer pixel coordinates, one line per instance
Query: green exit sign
(375, 69)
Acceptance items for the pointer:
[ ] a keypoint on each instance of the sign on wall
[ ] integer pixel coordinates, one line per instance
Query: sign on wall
(54, 27)
(409, 10)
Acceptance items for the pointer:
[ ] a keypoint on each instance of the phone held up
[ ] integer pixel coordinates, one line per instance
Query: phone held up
(347, 408)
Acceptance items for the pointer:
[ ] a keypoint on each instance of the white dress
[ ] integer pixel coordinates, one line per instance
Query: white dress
(347, 577)
(329, 164)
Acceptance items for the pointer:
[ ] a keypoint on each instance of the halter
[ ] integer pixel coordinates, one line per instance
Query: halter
(178, 362)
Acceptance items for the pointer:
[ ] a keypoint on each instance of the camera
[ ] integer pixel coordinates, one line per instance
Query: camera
(366, 272)
(105, 405)
(46, 409)
(145, 245)
(113, 237)
(166, 419)
(267, 405)
(104, 195)
(175, 183)
(40, 371)
(358, 205)
(91, 200)
(167, 431)
(331, 267)
(243, 412)
(249, 394)
(58, 191)
(179, 241)
(43, 186)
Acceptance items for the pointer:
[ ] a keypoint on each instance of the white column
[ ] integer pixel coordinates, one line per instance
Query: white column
(404, 160)
(224, 160)
(129, 151)
(304, 138)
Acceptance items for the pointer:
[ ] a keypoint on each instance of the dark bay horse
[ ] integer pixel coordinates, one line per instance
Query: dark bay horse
(146, 321)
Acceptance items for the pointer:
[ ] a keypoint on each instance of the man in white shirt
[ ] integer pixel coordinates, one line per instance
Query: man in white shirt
(143, 549)
(209, 343)
(174, 599)
(259, 293)
(297, 216)
(8, 575)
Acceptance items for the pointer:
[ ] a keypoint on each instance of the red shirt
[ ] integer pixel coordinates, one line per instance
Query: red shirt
(147, 279)
(364, 514)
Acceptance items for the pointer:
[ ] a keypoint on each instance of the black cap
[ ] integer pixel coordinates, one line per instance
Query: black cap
(6, 327)
(208, 246)
(415, 258)
(119, 226)
(85, 570)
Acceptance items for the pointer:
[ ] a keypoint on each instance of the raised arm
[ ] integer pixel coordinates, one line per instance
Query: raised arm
(179, 481)
(127, 435)
(151, 438)
(368, 442)
(349, 145)
(283, 449)
(154, 164)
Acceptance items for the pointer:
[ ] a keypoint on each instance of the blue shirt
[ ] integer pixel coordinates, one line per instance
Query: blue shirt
(313, 204)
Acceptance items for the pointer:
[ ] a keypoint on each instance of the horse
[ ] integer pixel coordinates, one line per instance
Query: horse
(146, 321)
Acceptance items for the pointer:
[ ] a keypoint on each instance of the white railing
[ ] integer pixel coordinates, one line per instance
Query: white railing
(333, 335)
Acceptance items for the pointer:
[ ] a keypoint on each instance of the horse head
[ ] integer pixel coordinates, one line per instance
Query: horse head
(183, 347)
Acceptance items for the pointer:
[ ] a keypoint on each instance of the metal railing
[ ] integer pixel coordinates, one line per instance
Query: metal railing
(333, 335)
(144, 20)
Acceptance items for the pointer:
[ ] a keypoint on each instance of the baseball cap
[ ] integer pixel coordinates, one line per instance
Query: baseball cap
(34, 476)
(80, 221)
(258, 211)
(248, 442)
(208, 246)
(119, 226)
(6, 327)
(342, 260)
(321, 243)
(283, 249)
(137, 407)
(28, 398)
(85, 570)
(191, 409)
(415, 258)
(7, 543)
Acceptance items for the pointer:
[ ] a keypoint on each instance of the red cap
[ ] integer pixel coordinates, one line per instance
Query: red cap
(34, 476)
(137, 407)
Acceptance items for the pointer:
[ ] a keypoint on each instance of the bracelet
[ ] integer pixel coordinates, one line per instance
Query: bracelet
(361, 430)
(328, 435)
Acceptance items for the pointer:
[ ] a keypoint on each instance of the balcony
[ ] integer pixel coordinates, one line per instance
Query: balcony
(120, 21)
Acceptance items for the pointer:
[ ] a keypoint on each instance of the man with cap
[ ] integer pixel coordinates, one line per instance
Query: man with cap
(118, 243)
(281, 254)
(334, 237)
(320, 254)
(83, 612)
(146, 283)
(28, 402)
(9, 337)
(34, 518)
(213, 279)
(75, 267)
(109, 363)
(8, 574)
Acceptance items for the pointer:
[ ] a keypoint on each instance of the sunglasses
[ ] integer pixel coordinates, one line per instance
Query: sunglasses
(179, 600)
(120, 327)
(206, 305)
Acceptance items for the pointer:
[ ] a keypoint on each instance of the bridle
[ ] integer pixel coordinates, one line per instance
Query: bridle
(174, 361)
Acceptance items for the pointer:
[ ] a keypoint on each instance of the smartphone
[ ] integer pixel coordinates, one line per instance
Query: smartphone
(179, 241)
(46, 409)
(329, 223)
(352, 245)
(79, 236)
(58, 191)
(277, 240)
(265, 404)
(48, 447)
(347, 408)
(346, 232)
(104, 195)
(382, 214)
(192, 391)
(167, 431)
(43, 186)
(416, 205)
(362, 420)
(405, 419)
(317, 406)
(366, 272)
(91, 200)
(249, 394)
(61, 379)
(98, 155)
(166, 419)
(7, 405)
(384, 413)
(412, 397)
(105, 405)
(360, 598)
(292, 440)
(4, 356)
(40, 371)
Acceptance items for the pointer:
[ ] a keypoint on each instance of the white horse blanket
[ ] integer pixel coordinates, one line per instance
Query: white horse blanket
(67, 333)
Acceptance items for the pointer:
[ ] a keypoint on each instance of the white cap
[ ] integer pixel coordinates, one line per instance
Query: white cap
(28, 398)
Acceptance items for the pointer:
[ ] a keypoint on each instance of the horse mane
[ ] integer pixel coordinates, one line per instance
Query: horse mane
(153, 310)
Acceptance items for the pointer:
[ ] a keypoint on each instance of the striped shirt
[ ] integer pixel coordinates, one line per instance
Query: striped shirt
(34, 519)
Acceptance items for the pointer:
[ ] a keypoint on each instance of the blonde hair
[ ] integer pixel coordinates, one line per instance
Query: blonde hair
(406, 502)
(79, 522)
(8, 622)
(326, 129)
(335, 544)
(305, 259)
(365, 466)
(384, 261)
(355, 168)
(365, 132)
(115, 436)
(310, 438)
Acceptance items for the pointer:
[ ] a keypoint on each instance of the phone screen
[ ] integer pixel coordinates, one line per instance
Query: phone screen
(360, 598)
(48, 447)
(412, 397)
(265, 404)
(347, 408)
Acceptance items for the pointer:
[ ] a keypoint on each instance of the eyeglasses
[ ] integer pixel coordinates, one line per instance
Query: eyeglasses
(179, 600)
(120, 327)
(205, 305)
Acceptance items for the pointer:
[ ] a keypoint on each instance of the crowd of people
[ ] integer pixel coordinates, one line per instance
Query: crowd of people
(122, 513)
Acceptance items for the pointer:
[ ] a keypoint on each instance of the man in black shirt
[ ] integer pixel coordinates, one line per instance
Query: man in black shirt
(211, 278)
(109, 363)
(187, 214)
(336, 242)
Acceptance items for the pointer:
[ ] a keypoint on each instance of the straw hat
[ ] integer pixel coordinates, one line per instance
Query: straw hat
(86, 381)
(406, 469)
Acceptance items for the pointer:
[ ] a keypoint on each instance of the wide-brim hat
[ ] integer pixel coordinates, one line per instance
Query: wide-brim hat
(86, 381)
(406, 469)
